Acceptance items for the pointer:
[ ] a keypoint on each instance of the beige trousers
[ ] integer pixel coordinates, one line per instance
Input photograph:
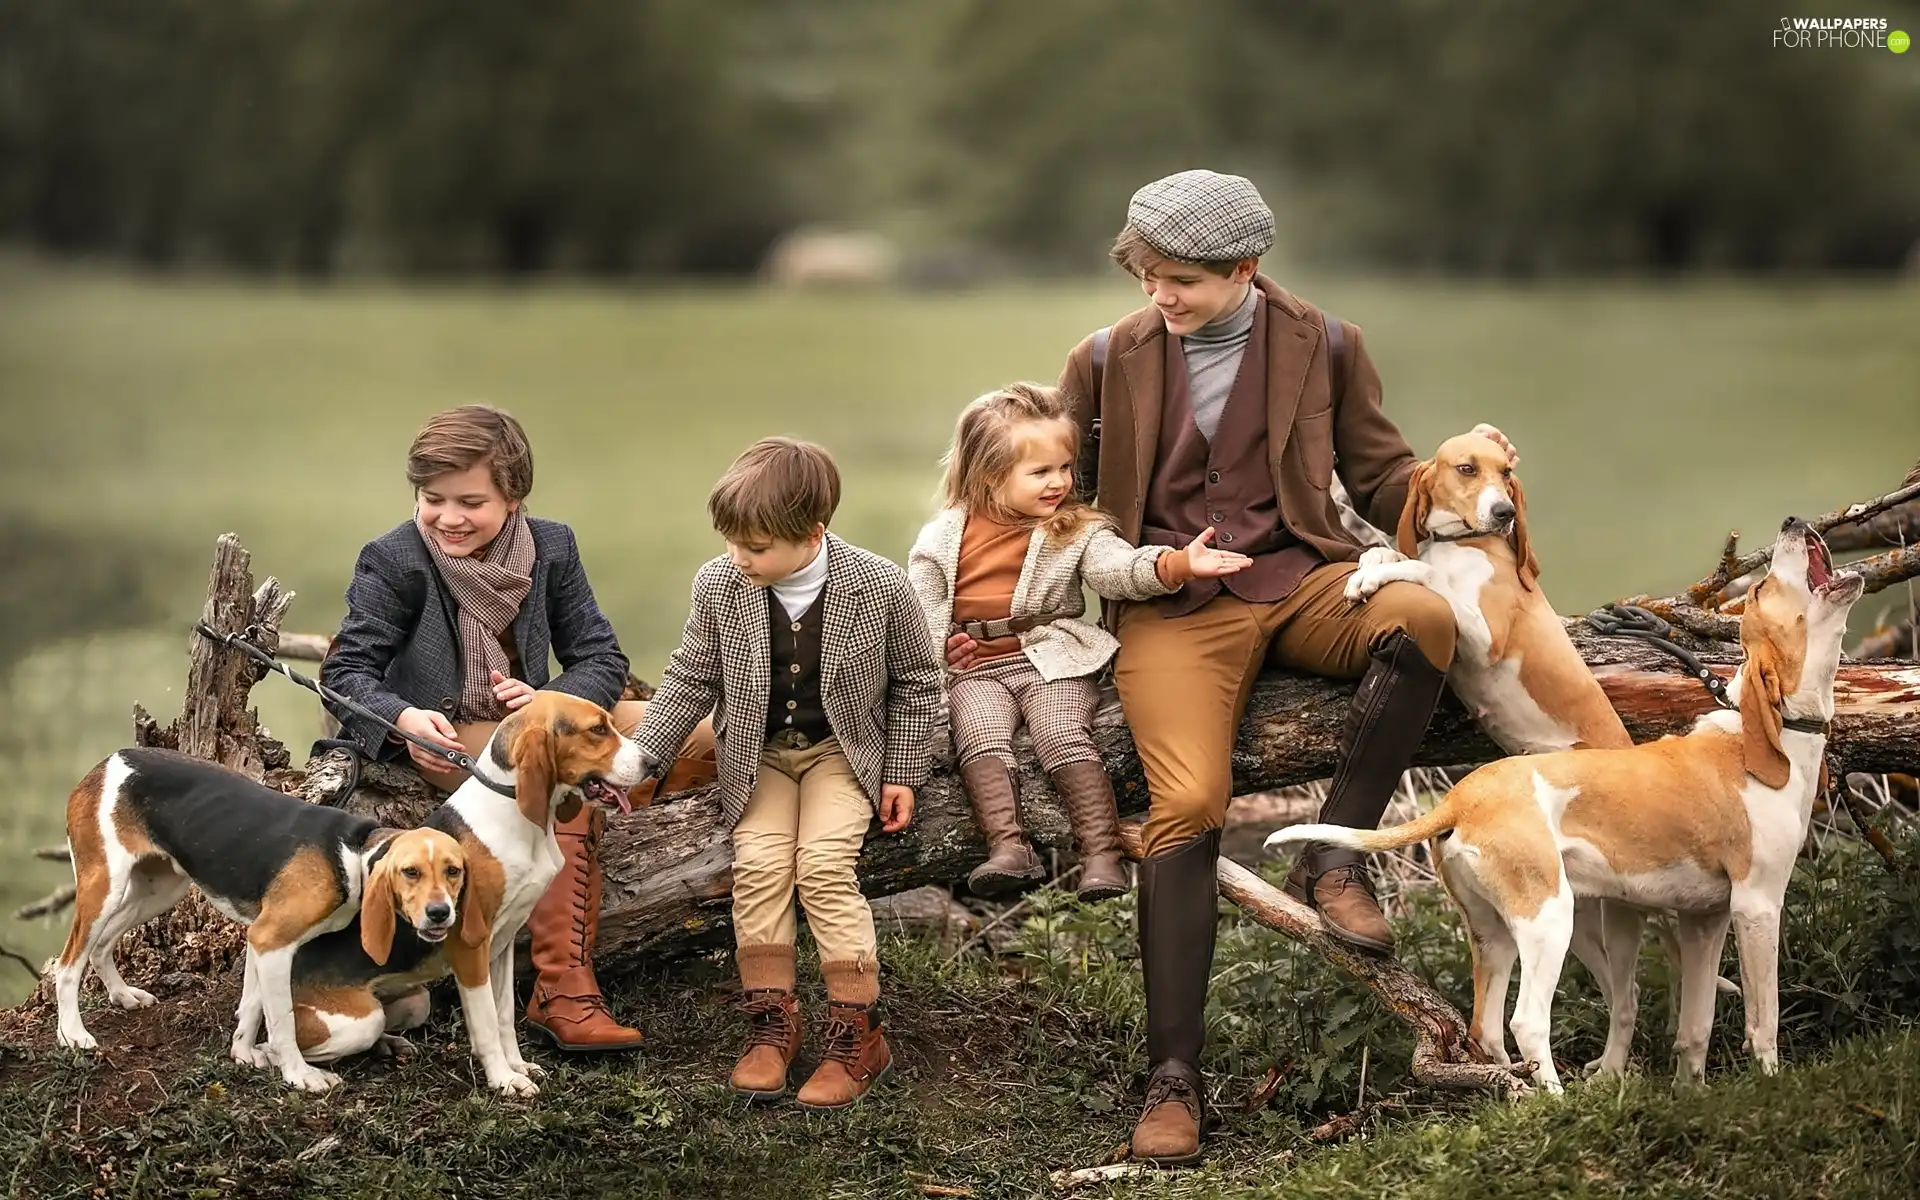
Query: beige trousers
(802, 830)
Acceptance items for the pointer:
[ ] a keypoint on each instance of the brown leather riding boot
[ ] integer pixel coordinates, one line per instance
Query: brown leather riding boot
(1179, 896)
(853, 1048)
(1087, 794)
(1384, 726)
(773, 1022)
(566, 1004)
(1011, 867)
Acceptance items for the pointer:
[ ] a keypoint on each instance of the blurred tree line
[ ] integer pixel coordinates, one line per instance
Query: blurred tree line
(681, 136)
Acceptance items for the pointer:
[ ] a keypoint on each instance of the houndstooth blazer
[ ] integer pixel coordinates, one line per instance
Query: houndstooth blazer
(879, 675)
(1050, 581)
(398, 646)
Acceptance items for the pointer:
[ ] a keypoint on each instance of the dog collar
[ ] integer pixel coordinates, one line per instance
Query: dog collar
(1805, 725)
(493, 785)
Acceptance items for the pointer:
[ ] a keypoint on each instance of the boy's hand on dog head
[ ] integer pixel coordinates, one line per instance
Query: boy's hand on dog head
(896, 807)
(1500, 439)
(514, 693)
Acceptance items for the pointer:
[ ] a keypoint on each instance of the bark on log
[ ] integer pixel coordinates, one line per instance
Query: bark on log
(668, 869)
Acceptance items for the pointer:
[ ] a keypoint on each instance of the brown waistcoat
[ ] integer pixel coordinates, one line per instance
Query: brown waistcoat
(793, 702)
(1227, 484)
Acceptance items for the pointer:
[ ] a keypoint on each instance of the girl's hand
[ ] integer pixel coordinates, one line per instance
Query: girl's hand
(1500, 439)
(432, 726)
(1207, 563)
(514, 693)
(962, 651)
(896, 807)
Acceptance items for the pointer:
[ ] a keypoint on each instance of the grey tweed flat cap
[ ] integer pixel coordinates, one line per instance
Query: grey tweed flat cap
(1203, 216)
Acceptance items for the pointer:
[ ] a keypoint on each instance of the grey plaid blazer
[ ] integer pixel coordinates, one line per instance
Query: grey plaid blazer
(880, 675)
(397, 647)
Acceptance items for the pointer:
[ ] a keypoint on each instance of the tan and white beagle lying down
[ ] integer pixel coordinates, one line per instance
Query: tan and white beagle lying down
(1707, 825)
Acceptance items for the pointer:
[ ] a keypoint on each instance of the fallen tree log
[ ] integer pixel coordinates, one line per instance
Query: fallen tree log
(668, 869)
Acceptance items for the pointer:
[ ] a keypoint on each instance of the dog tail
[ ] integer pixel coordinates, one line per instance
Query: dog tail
(1441, 818)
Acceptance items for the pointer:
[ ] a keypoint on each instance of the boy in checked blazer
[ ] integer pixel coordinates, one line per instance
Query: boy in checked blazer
(825, 688)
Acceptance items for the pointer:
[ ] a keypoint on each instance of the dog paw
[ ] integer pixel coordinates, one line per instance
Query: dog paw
(530, 1070)
(514, 1085)
(1380, 556)
(308, 1078)
(1604, 1068)
(392, 1045)
(251, 1056)
(133, 997)
(79, 1039)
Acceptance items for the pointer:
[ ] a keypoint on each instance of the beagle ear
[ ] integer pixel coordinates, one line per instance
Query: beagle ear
(1528, 566)
(475, 926)
(1414, 513)
(533, 772)
(1760, 717)
(376, 913)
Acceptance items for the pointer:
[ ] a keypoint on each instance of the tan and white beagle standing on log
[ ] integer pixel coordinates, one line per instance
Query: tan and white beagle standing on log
(1708, 825)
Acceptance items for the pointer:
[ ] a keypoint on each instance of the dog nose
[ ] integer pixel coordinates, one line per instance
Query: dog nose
(439, 912)
(1789, 523)
(1503, 511)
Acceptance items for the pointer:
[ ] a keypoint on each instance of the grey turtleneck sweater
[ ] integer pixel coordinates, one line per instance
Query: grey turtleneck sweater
(1213, 360)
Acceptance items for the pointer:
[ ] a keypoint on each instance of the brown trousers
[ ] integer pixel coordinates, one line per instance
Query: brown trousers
(1184, 681)
(695, 766)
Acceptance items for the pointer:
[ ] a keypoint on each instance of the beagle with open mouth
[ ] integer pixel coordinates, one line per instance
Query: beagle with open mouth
(366, 979)
(145, 824)
(1707, 825)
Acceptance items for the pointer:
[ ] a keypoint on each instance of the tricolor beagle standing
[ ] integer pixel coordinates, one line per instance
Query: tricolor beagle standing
(146, 823)
(1707, 825)
(359, 980)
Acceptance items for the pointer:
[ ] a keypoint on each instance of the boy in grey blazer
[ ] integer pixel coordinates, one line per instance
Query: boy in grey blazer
(825, 689)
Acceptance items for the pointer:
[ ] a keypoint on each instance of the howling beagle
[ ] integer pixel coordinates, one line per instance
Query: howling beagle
(1515, 668)
(363, 980)
(146, 823)
(1707, 825)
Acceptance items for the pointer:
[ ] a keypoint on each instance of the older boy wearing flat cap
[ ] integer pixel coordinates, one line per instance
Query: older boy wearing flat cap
(1228, 403)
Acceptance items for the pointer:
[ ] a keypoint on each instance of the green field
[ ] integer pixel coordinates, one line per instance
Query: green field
(143, 417)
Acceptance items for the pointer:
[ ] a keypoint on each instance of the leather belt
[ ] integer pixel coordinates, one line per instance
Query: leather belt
(986, 631)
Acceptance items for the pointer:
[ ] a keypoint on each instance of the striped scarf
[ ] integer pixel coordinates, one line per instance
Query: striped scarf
(489, 588)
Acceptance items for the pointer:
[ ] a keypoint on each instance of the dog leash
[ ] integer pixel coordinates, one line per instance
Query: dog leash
(458, 758)
(1630, 620)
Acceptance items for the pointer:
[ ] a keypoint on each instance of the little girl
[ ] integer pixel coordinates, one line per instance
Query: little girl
(1000, 571)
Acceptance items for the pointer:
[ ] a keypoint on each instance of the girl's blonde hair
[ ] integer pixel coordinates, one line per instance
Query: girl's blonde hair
(986, 449)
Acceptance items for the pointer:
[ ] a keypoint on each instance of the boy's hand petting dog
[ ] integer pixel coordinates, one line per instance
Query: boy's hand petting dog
(1205, 562)
(1500, 439)
(514, 693)
(896, 807)
(429, 725)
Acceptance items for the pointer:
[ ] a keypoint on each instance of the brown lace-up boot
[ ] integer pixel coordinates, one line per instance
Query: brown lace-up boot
(853, 1050)
(773, 1021)
(566, 1003)
(1011, 867)
(1384, 726)
(1179, 894)
(1087, 795)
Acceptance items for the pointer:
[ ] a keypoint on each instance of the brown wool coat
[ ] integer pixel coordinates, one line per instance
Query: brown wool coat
(1305, 430)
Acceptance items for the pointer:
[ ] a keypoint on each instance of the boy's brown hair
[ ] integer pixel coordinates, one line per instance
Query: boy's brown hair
(780, 488)
(459, 438)
(1136, 256)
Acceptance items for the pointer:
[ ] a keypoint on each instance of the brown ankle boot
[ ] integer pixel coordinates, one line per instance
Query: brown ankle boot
(1087, 794)
(1011, 867)
(853, 1050)
(566, 1004)
(1343, 896)
(1168, 1132)
(773, 1022)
